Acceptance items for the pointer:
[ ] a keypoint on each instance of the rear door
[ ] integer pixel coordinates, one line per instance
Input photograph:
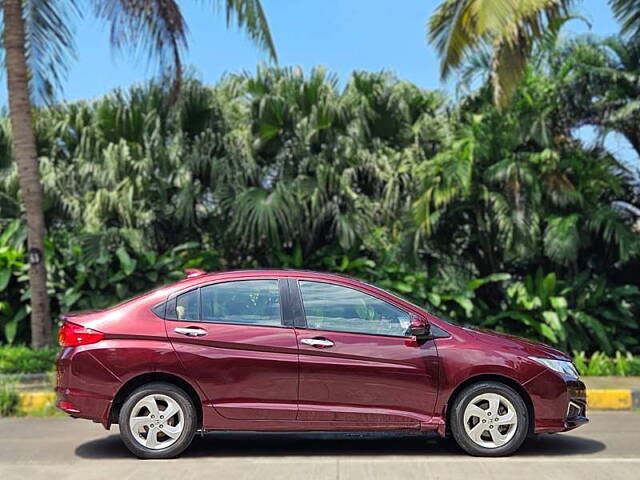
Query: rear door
(357, 363)
(231, 339)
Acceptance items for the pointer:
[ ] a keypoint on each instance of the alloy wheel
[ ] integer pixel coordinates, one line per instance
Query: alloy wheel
(156, 421)
(490, 420)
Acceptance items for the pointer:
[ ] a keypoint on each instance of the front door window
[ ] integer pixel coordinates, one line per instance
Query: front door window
(337, 308)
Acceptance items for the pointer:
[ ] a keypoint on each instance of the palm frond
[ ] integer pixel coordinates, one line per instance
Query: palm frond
(260, 215)
(249, 15)
(49, 44)
(459, 27)
(155, 28)
(627, 12)
(562, 238)
(610, 225)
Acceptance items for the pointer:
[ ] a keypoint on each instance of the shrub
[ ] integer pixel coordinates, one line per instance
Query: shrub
(9, 401)
(599, 364)
(26, 360)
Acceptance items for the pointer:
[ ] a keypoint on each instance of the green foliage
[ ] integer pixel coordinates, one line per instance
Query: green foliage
(9, 401)
(510, 28)
(446, 292)
(454, 206)
(13, 310)
(84, 279)
(18, 359)
(626, 12)
(599, 81)
(573, 316)
(623, 365)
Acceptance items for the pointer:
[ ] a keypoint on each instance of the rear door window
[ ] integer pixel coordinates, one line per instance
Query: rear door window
(247, 302)
(184, 307)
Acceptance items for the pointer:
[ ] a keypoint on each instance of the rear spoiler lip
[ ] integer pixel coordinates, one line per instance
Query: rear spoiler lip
(81, 317)
(79, 313)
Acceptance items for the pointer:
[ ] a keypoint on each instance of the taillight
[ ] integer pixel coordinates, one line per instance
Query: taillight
(72, 335)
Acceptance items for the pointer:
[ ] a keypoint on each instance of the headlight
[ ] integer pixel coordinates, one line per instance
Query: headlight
(561, 366)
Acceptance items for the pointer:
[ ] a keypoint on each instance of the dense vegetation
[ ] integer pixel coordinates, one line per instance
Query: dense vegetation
(19, 359)
(502, 219)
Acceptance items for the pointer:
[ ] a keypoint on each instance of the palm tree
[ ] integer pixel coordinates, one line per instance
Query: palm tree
(281, 158)
(37, 45)
(283, 168)
(513, 185)
(24, 146)
(509, 29)
(602, 84)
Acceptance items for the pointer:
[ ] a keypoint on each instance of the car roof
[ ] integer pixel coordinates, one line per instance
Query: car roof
(196, 279)
(205, 277)
(201, 279)
(267, 272)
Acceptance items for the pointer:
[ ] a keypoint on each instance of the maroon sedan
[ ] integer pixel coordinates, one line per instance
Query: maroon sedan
(302, 351)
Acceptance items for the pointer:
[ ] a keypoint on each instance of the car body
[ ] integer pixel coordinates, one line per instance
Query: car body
(281, 350)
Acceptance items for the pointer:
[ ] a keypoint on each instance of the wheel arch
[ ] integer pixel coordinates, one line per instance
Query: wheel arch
(139, 380)
(510, 382)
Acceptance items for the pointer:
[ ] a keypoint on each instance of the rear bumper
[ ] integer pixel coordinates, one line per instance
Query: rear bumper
(83, 404)
(84, 388)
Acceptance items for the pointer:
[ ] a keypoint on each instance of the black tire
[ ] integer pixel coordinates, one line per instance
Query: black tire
(188, 413)
(463, 439)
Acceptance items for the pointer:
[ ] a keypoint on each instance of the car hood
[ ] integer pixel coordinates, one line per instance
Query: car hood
(532, 347)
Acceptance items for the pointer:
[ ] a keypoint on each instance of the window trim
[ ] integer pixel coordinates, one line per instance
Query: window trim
(304, 314)
(161, 306)
(299, 318)
(173, 299)
(199, 288)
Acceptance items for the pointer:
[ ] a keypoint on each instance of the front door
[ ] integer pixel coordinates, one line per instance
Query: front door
(231, 340)
(357, 363)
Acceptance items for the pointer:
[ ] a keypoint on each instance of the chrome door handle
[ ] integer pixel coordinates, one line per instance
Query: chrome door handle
(190, 331)
(318, 342)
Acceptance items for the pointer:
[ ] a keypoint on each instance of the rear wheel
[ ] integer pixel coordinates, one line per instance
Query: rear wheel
(158, 420)
(489, 419)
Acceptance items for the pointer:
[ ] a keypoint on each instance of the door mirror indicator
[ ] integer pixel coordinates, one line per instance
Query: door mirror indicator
(419, 329)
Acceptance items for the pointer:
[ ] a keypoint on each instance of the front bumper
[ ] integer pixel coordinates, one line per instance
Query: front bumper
(577, 408)
(575, 422)
(559, 404)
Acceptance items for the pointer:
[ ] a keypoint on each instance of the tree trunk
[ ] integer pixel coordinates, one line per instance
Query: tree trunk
(24, 150)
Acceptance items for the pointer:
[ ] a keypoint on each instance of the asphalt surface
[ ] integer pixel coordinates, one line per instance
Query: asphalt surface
(61, 448)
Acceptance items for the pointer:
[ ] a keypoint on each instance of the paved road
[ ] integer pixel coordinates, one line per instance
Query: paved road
(61, 448)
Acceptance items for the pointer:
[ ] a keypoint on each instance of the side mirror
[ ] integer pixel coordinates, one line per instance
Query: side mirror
(419, 328)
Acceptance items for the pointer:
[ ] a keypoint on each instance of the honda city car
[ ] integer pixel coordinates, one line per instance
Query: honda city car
(279, 350)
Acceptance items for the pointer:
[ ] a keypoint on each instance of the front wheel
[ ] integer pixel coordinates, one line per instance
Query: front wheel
(158, 420)
(489, 419)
